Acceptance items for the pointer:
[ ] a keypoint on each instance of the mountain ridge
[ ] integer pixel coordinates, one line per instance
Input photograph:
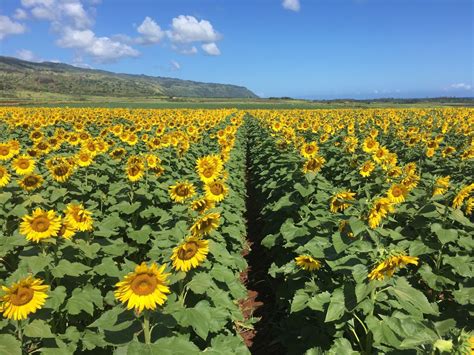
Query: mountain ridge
(18, 75)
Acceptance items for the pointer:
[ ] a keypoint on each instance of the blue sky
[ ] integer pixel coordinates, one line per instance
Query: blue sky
(298, 48)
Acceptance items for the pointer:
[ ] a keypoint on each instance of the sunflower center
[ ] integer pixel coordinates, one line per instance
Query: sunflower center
(2, 173)
(84, 157)
(217, 189)
(61, 170)
(182, 190)
(309, 149)
(40, 224)
(208, 172)
(396, 191)
(144, 284)
(22, 296)
(4, 151)
(30, 181)
(24, 163)
(188, 250)
(134, 170)
(36, 135)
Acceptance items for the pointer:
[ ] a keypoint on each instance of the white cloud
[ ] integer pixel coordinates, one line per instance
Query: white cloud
(100, 49)
(186, 50)
(60, 12)
(293, 5)
(151, 32)
(28, 55)
(187, 29)
(211, 48)
(460, 86)
(20, 14)
(9, 27)
(175, 65)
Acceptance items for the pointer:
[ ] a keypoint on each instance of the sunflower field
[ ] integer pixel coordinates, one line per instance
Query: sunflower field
(126, 231)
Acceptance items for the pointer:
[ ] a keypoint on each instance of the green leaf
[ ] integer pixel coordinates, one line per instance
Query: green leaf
(200, 283)
(444, 235)
(65, 267)
(84, 300)
(126, 207)
(141, 236)
(411, 299)
(336, 306)
(9, 345)
(164, 346)
(318, 302)
(357, 226)
(299, 301)
(38, 329)
(199, 318)
(56, 297)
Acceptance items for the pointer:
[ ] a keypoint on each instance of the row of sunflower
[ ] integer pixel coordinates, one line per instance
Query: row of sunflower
(368, 224)
(121, 230)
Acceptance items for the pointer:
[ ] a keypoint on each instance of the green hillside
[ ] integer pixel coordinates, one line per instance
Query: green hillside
(19, 79)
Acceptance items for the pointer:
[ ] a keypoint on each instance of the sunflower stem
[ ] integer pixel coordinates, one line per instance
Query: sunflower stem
(146, 327)
(20, 332)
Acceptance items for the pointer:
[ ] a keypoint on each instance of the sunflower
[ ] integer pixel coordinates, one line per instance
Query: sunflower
(205, 224)
(117, 153)
(339, 201)
(366, 169)
(61, 172)
(201, 205)
(84, 158)
(388, 267)
(441, 185)
(78, 217)
(135, 171)
(411, 181)
(370, 145)
(40, 225)
(209, 167)
(6, 151)
(146, 287)
(23, 165)
(397, 193)
(380, 209)
(309, 150)
(190, 254)
(31, 182)
(4, 176)
(307, 262)
(313, 165)
(152, 161)
(181, 191)
(24, 297)
(67, 231)
(216, 190)
(462, 195)
(469, 206)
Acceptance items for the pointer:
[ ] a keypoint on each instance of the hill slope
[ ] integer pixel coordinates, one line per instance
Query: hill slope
(18, 76)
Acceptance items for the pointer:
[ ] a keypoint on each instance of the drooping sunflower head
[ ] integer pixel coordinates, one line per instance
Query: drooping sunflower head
(209, 167)
(23, 165)
(40, 225)
(67, 231)
(145, 288)
(381, 207)
(190, 254)
(181, 191)
(313, 165)
(216, 190)
(387, 267)
(205, 224)
(31, 182)
(201, 205)
(4, 176)
(117, 153)
(307, 262)
(78, 217)
(441, 185)
(340, 201)
(22, 298)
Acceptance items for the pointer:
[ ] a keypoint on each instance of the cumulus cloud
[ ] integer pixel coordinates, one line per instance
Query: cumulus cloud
(28, 55)
(187, 29)
(151, 32)
(101, 49)
(20, 14)
(186, 50)
(59, 11)
(460, 86)
(211, 49)
(9, 27)
(293, 5)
